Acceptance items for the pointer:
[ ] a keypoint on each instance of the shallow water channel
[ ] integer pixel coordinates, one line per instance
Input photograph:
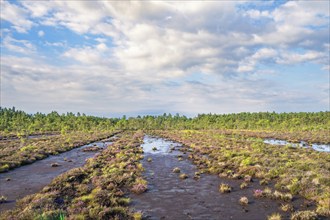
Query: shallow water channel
(32, 178)
(169, 197)
(317, 147)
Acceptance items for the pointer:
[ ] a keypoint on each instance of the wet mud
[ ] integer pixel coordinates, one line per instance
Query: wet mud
(169, 197)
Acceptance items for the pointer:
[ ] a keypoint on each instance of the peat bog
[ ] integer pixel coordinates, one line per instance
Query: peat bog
(165, 167)
(197, 196)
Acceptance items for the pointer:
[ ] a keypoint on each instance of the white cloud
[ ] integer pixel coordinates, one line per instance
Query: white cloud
(41, 33)
(15, 15)
(36, 8)
(86, 55)
(256, 14)
(18, 46)
(248, 64)
(57, 44)
(294, 58)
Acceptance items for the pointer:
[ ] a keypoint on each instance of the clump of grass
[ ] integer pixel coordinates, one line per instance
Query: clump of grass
(274, 216)
(248, 178)
(51, 215)
(197, 176)
(304, 215)
(236, 176)
(287, 208)
(3, 199)
(323, 207)
(277, 195)
(4, 168)
(154, 148)
(263, 182)
(137, 215)
(176, 170)
(287, 197)
(244, 200)
(267, 192)
(140, 186)
(243, 185)
(282, 196)
(183, 176)
(225, 188)
(124, 201)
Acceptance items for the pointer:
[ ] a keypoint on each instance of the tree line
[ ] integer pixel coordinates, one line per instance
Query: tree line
(15, 121)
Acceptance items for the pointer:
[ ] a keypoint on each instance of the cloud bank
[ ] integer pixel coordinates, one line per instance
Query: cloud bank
(143, 57)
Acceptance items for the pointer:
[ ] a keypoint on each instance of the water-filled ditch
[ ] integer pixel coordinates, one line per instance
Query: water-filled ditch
(30, 179)
(169, 197)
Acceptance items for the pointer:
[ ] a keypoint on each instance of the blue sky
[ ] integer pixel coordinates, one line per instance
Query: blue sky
(114, 58)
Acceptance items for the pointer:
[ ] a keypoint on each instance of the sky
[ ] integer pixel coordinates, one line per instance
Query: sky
(114, 58)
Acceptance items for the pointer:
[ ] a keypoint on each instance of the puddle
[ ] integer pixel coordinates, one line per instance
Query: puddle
(169, 197)
(32, 178)
(42, 136)
(317, 147)
(153, 145)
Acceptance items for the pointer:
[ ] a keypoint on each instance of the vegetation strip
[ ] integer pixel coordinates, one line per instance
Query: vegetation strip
(98, 190)
(15, 153)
